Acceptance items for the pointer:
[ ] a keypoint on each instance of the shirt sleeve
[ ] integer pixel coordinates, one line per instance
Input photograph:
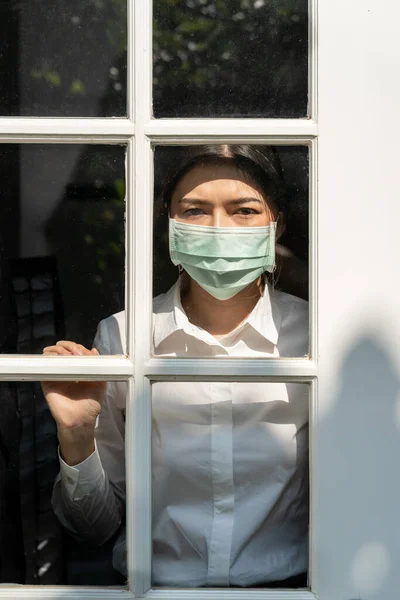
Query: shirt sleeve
(89, 498)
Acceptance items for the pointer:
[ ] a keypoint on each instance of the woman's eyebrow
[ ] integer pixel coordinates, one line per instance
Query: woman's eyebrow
(193, 201)
(245, 200)
(234, 201)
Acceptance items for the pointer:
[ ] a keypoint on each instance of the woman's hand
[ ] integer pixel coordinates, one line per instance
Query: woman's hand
(75, 405)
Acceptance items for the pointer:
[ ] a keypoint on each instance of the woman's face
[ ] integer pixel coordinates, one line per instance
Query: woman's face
(218, 195)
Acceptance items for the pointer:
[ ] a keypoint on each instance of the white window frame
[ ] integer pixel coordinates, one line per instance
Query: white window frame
(139, 131)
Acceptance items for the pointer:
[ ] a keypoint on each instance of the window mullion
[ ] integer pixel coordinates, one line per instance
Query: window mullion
(28, 128)
(234, 369)
(139, 403)
(130, 65)
(15, 592)
(229, 130)
(313, 247)
(312, 59)
(139, 418)
(229, 594)
(34, 368)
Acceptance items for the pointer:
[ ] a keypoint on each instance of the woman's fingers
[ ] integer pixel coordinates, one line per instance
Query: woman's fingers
(76, 349)
(67, 348)
(56, 350)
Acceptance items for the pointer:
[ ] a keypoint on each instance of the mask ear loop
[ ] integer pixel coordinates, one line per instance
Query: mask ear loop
(278, 266)
(273, 276)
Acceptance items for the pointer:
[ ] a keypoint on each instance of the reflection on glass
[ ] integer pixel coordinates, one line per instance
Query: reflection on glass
(63, 59)
(240, 58)
(231, 251)
(61, 243)
(230, 484)
(44, 534)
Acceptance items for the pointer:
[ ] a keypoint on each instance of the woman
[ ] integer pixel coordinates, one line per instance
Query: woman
(230, 491)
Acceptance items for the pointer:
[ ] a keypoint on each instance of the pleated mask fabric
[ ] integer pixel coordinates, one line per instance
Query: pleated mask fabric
(223, 260)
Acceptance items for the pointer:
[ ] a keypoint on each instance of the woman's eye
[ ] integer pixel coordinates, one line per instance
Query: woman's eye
(192, 212)
(247, 211)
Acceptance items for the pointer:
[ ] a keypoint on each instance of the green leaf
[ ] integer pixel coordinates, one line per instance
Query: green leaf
(53, 78)
(78, 87)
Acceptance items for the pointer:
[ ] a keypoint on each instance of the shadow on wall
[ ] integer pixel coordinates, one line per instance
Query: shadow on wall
(360, 443)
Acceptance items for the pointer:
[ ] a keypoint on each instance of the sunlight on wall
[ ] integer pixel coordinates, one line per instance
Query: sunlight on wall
(397, 412)
(370, 568)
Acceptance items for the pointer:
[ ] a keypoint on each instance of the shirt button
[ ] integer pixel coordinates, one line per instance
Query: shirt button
(70, 480)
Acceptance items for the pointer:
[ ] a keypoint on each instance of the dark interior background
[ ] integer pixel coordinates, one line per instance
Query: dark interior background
(62, 234)
(243, 58)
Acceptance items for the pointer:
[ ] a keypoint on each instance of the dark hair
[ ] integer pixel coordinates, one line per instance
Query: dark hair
(257, 163)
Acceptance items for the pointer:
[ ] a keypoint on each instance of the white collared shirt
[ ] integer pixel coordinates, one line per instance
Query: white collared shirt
(230, 460)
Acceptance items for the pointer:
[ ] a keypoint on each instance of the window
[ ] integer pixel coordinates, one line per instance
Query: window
(136, 138)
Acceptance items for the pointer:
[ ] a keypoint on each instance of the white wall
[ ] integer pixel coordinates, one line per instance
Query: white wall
(358, 451)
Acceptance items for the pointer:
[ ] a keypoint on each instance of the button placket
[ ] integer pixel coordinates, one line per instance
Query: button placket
(223, 488)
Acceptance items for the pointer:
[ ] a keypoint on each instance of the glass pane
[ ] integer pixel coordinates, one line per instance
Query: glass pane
(224, 293)
(64, 59)
(45, 539)
(230, 484)
(61, 243)
(243, 58)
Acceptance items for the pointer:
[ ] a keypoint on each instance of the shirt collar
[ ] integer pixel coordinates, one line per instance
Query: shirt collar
(164, 316)
(266, 316)
(170, 317)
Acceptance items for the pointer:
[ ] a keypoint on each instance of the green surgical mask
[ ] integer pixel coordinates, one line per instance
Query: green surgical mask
(223, 260)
